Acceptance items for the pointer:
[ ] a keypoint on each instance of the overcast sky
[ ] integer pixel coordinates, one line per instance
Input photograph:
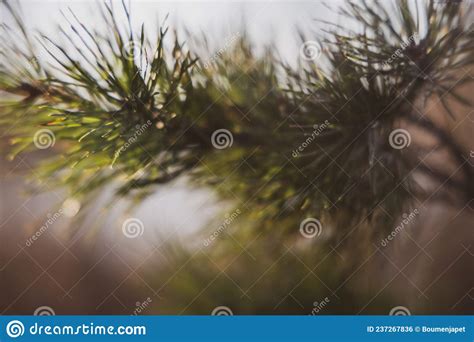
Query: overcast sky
(266, 21)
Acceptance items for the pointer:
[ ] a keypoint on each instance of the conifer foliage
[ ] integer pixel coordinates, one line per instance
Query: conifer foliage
(326, 139)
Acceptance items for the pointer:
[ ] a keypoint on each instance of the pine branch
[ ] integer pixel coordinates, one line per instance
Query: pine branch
(123, 106)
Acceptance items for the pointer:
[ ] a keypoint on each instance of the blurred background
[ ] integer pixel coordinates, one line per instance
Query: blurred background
(81, 262)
